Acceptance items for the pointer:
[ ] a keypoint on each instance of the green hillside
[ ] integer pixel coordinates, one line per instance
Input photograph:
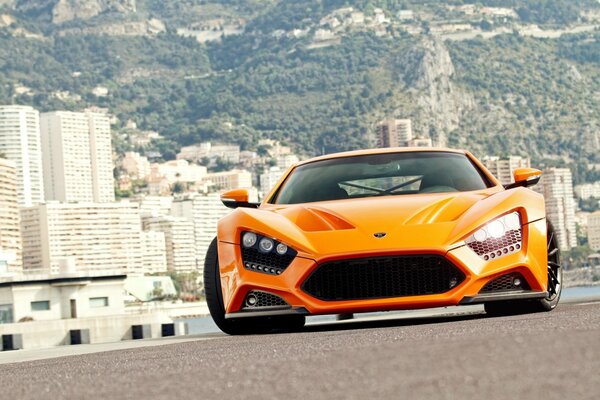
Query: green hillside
(511, 93)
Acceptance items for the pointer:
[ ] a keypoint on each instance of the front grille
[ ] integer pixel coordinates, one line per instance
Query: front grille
(381, 277)
(505, 282)
(271, 263)
(264, 299)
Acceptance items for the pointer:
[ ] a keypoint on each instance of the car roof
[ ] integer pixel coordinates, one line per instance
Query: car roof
(385, 150)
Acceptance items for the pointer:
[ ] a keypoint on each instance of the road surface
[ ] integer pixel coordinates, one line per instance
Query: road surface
(552, 355)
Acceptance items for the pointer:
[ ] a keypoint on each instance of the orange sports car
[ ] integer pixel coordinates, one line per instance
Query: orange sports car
(378, 230)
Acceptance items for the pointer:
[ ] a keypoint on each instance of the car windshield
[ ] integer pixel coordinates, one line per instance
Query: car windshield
(383, 174)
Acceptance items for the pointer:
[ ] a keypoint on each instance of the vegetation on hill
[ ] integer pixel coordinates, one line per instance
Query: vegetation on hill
(529, 96)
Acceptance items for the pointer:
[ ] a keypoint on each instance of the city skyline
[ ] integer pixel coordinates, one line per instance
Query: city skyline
(173, 234)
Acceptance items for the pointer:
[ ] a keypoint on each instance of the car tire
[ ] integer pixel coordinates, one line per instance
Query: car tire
(242, 326)
(555, 279)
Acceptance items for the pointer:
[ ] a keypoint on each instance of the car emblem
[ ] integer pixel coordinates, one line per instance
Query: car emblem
(379, 235)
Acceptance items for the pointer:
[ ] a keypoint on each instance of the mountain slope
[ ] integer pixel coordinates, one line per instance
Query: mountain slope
(315, 74)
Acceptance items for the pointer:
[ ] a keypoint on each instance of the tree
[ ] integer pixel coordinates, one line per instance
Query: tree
(178, 187)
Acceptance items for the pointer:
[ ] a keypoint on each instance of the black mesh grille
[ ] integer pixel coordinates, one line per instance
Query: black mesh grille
(505, 282)
(381, 277)
(272, 263)
(496, 247)
(264, 299)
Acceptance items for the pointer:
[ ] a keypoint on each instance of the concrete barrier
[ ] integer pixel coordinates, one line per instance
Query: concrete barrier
(44, 334)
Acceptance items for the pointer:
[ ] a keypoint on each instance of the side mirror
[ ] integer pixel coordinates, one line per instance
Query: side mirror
(238, 198)
(525, 177)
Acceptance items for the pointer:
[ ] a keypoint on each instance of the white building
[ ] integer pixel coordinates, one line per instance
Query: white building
(227, 152)
(556, 185)
(270, 178)
(77, 156)
(180, 243)
(20, 143)
(322, 35)
(154, 252)
(204, 211)
(404, 15)
(421, 142)
(504, 168)
(10, 228)
(179, 171)
(144, 138)
(155, 206)
(287, 160)
(51, 297)
(228, 180)
(82, 236)
(136, 165)
(588, 190)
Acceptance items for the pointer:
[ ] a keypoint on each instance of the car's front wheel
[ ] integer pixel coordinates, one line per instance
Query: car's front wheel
(555, 279)
(240, 326)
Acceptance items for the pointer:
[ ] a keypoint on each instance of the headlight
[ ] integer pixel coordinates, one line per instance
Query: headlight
(263, 254)
(498, 238)
(281, 249)
(249, 239)
(266, 245)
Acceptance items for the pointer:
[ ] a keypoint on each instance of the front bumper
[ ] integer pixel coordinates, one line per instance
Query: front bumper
(530, 262)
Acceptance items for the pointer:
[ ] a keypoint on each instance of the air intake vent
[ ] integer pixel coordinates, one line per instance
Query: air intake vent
(512, 281)
(256, 299)
(382, 277)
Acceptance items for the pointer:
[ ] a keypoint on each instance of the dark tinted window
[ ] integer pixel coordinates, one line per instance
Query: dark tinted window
(381, 175)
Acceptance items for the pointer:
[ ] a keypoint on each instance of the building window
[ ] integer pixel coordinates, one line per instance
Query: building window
(97, 302)
(40, 305)
(6, 314)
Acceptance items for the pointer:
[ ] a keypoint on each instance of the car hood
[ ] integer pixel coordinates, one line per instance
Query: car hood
(374, 224)
(376, 213)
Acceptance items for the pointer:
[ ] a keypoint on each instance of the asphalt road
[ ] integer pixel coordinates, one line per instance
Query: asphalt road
(541, 356)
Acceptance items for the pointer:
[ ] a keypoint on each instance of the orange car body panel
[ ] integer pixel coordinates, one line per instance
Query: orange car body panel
(436, 223)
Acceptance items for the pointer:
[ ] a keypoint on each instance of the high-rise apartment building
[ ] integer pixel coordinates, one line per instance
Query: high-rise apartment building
(89, 236)
(180, 244)
(394, 133)
(77, 156)
(556, 185)
(204, 211)
(503, 168)
(20, 143)
(101, 156)
(154, 253)
(10, 229)
(593, 230)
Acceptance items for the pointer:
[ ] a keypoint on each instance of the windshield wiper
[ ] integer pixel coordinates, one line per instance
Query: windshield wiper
(400, 186)
(362, 187)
